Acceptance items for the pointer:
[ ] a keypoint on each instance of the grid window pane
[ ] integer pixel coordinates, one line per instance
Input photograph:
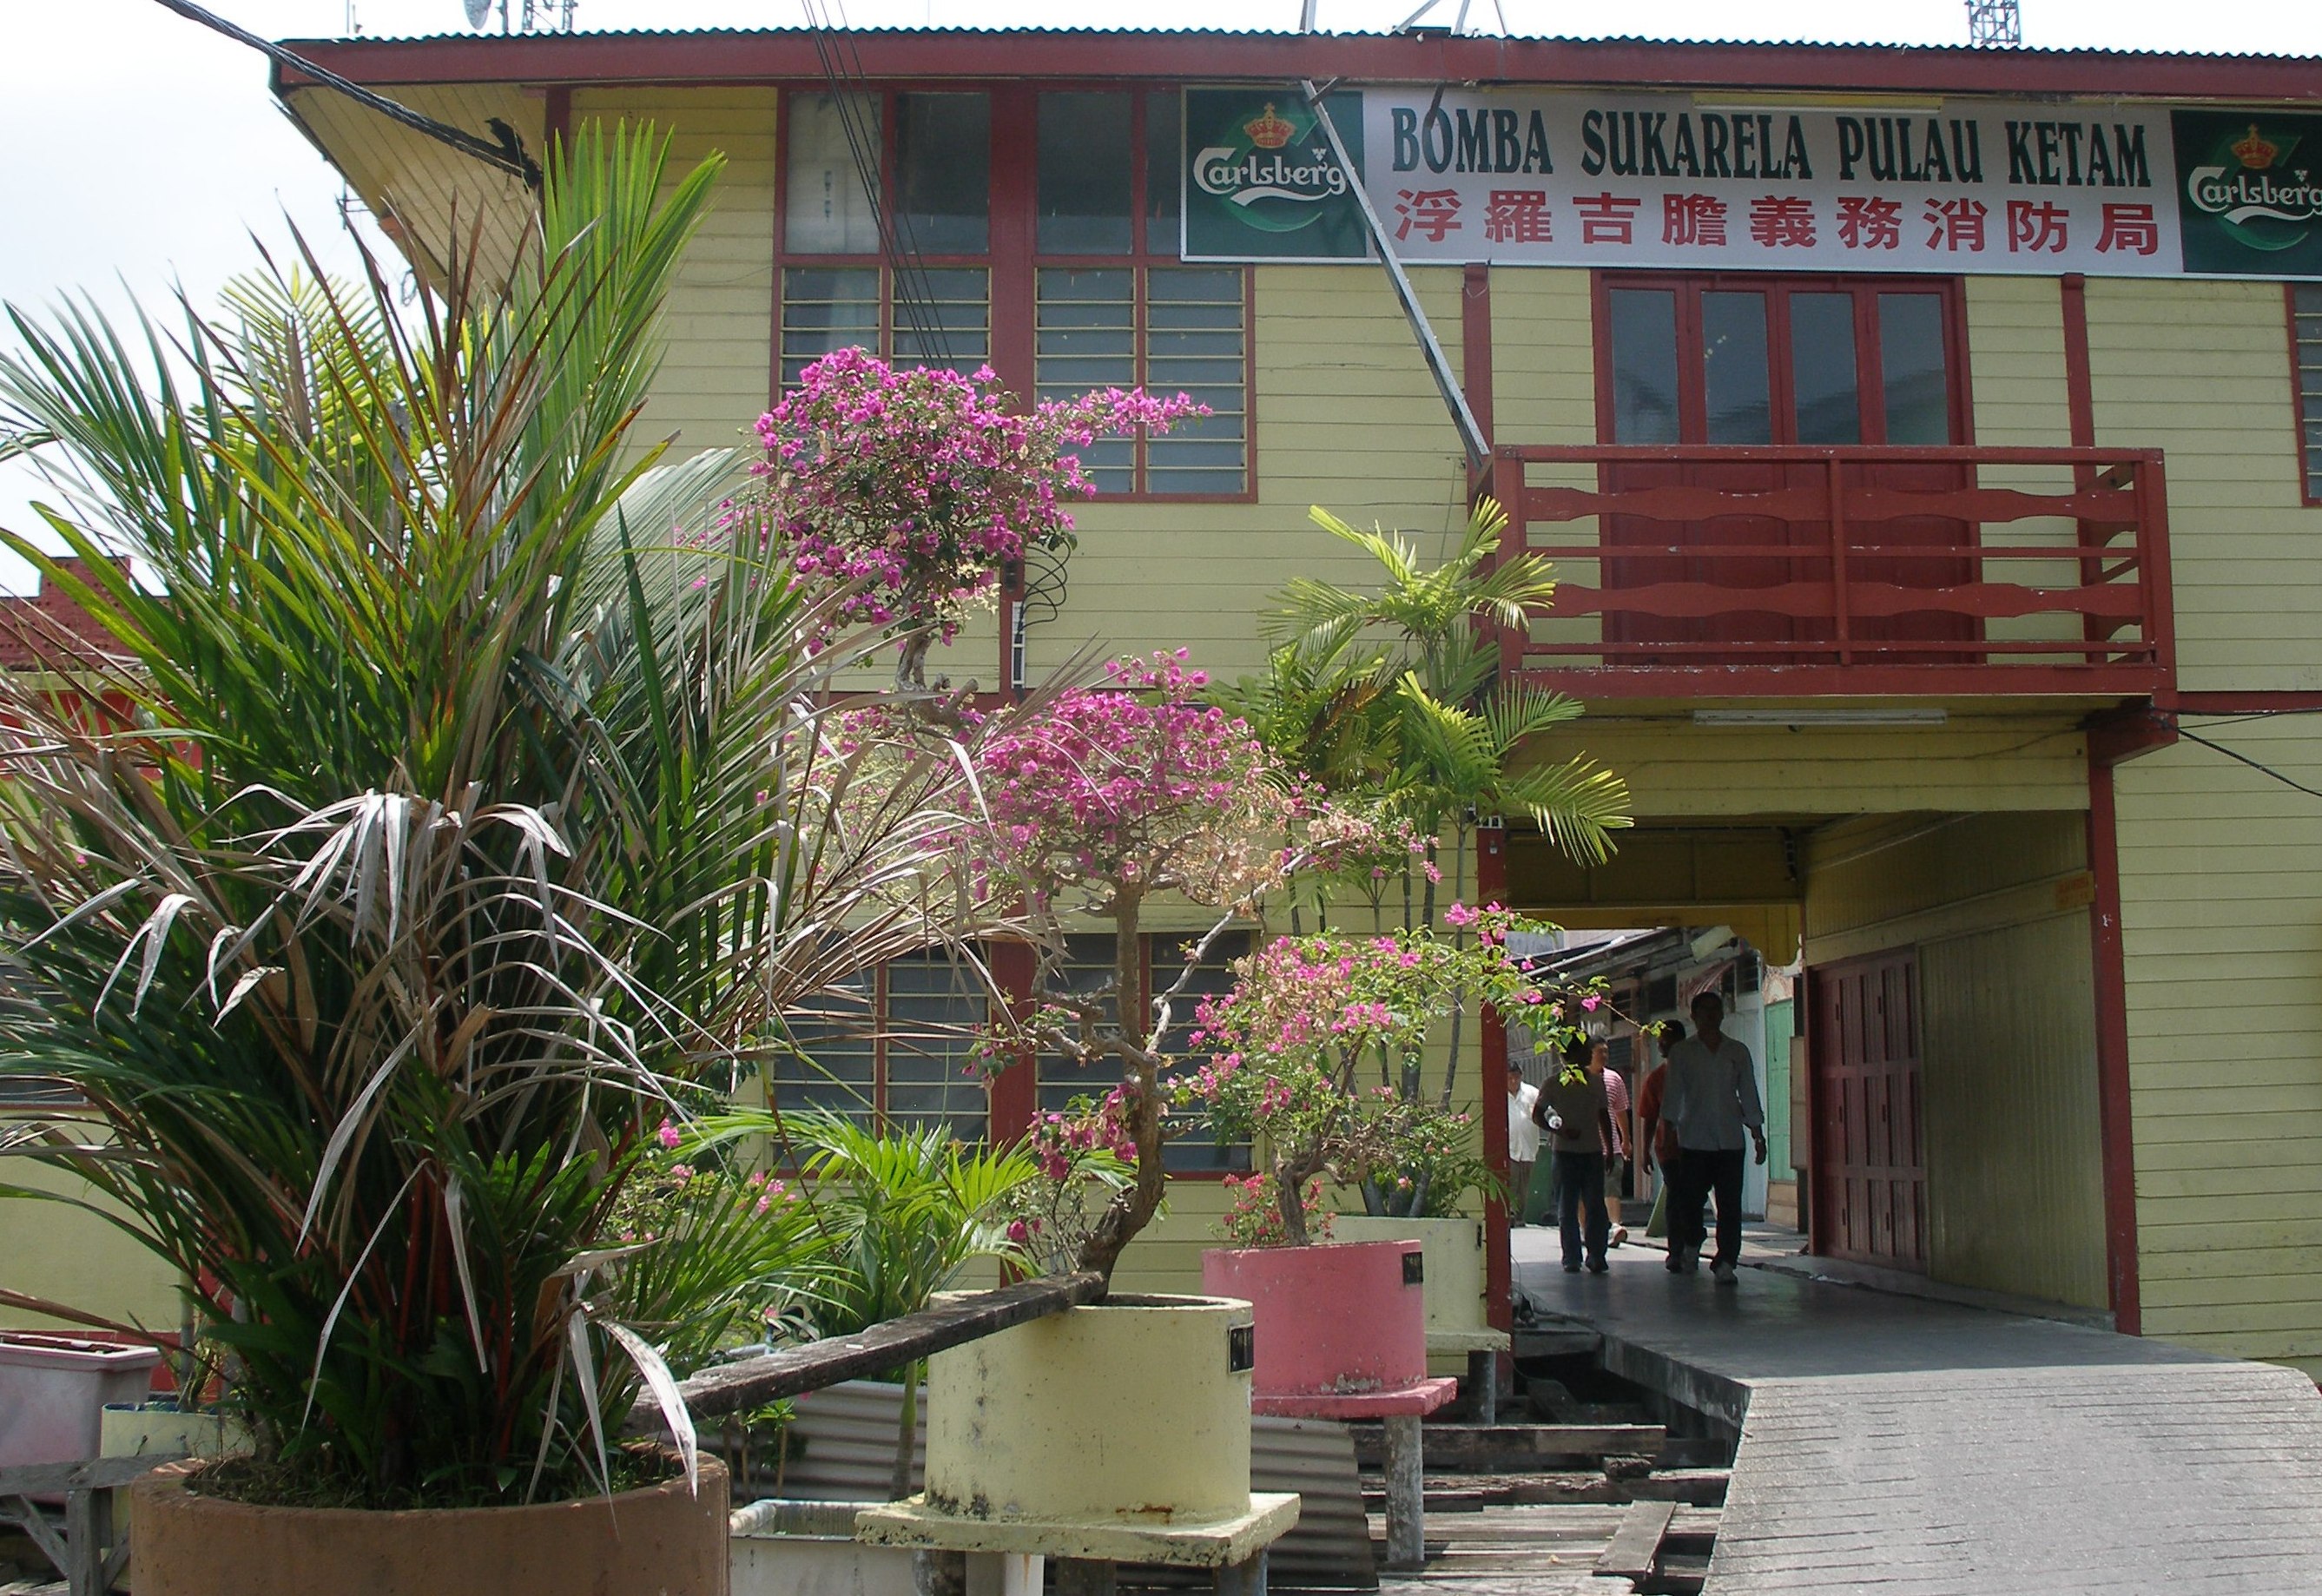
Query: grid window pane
(1212, 978)
(935, 1004)
(1824, 407)
(943, 317)
(1085, 172)
(2306, 304)
(943, 173)
(1196, 343)
(1165, 161)
(825, 308)
(1085, 337)
(1735, 376)
(1644, 366)
(1086, 967)
(834, 141)
(1912, 364)
(834, 1066)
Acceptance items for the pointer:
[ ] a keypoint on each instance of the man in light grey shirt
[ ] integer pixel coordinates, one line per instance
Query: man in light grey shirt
(1711, 1099)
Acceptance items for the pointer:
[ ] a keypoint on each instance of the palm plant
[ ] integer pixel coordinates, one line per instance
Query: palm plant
(901, 1214)
(434, 819)
(1390, 692)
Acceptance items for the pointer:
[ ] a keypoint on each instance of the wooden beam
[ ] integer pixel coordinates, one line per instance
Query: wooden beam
(1637, 1544)
(753, 1382)
(97, 1473)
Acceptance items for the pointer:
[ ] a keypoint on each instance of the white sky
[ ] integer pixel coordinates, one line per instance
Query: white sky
(138, 150)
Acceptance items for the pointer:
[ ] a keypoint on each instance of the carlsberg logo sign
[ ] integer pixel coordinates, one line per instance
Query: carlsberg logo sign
(1261, 180)
(2252, 192)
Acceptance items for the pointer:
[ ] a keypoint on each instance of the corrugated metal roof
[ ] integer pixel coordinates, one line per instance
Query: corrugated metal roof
(1624, 40)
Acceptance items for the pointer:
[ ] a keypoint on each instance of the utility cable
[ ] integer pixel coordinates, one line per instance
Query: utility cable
(509, 158)
(2262, 770)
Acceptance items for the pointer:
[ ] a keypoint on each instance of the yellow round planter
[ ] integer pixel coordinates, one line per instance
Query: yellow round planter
(1454, 1249)
(1134, 1409)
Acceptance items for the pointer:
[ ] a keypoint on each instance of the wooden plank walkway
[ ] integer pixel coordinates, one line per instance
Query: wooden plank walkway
(1901, 1446)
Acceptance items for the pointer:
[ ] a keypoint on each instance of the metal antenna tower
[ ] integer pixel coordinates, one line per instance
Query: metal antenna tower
(1995, 25)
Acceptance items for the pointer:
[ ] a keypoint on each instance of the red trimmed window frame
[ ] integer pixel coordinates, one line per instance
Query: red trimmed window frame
(1689, 285)
(2301, 416)
(1013, 258)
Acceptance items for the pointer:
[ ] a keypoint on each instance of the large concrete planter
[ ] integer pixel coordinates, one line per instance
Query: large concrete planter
(1454, 1250)
(1133, 1410)
(662, 1541)
(1338, 1320)
(808, 1548)
(1117, 1432)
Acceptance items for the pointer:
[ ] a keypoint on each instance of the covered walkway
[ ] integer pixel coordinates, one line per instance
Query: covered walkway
(1899, 1445)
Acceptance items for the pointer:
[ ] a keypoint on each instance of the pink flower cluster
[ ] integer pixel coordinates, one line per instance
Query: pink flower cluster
(1057, 1142)
(1136, 783)
(919, 486)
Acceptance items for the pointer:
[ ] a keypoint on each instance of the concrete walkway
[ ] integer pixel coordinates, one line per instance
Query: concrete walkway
(1900, 1446)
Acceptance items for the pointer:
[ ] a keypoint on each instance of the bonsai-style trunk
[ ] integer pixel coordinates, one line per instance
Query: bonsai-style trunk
(1132, 1207)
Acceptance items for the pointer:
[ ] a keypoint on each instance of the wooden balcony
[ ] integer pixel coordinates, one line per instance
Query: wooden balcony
(1789, 572)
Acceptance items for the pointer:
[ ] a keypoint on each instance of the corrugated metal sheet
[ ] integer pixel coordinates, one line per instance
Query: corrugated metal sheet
(1625, 40)
(843, 1449)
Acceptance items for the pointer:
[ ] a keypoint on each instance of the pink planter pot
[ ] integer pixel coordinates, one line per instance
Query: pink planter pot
(1332, 1321)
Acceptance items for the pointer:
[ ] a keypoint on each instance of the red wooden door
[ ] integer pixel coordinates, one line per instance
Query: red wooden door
(1739, 362)
(1869, 1169)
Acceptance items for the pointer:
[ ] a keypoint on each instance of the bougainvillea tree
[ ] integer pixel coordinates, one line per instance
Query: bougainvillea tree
(1117, 794)
(918, 487)
(1290, 1046)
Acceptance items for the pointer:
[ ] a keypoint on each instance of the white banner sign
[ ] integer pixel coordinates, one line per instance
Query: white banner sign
(1581, 179)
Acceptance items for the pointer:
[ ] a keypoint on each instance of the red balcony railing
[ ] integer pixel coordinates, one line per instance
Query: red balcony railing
(1693, 571)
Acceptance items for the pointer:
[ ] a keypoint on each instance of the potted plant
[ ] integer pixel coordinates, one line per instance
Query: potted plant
(1291, 1050)
(460, 790)
(1114, 796)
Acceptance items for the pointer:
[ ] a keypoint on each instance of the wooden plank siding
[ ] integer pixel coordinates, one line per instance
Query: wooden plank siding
(714, 374)
(2221, 868)
(1994, 906)
(1345, 417)
(2201, 369)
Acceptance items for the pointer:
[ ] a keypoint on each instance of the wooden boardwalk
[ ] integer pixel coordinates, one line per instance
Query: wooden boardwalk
(1901, 1446)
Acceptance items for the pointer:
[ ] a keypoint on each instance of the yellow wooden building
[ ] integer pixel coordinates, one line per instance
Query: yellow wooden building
(1928, 440)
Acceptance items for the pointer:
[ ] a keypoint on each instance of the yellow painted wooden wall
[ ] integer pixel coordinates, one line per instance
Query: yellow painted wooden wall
(2221, 881)
(68, 1255)
(1996, 907)
(2201, 369)
(719, 327)
(1346, 417)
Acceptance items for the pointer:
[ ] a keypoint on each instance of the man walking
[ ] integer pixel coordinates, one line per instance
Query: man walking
(1711, 1099)
(1523, 1142)
(1572, 1109)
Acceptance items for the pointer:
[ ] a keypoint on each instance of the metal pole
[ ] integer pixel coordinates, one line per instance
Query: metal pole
(1439, 366)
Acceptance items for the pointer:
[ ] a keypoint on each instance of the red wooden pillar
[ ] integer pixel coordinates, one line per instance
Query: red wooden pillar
(1014, 1092)
(1492, 1081)
(2121, 737)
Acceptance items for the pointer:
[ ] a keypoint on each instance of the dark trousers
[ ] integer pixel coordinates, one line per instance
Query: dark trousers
(1580, 1199)
(1700, 1172)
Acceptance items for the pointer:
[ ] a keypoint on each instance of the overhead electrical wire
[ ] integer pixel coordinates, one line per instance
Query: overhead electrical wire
(507, 156)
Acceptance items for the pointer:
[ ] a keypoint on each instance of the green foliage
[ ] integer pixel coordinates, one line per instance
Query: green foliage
(1387, 700)
(464, 797)
(901, 1212)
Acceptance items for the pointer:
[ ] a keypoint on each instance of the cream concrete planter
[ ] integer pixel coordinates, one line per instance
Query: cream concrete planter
(1454, 1250)
(1137, 1409)
(808, 1548)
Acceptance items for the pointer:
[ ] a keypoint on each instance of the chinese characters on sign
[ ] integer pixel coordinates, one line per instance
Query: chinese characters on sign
(1557, 178)
(1561, 180)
